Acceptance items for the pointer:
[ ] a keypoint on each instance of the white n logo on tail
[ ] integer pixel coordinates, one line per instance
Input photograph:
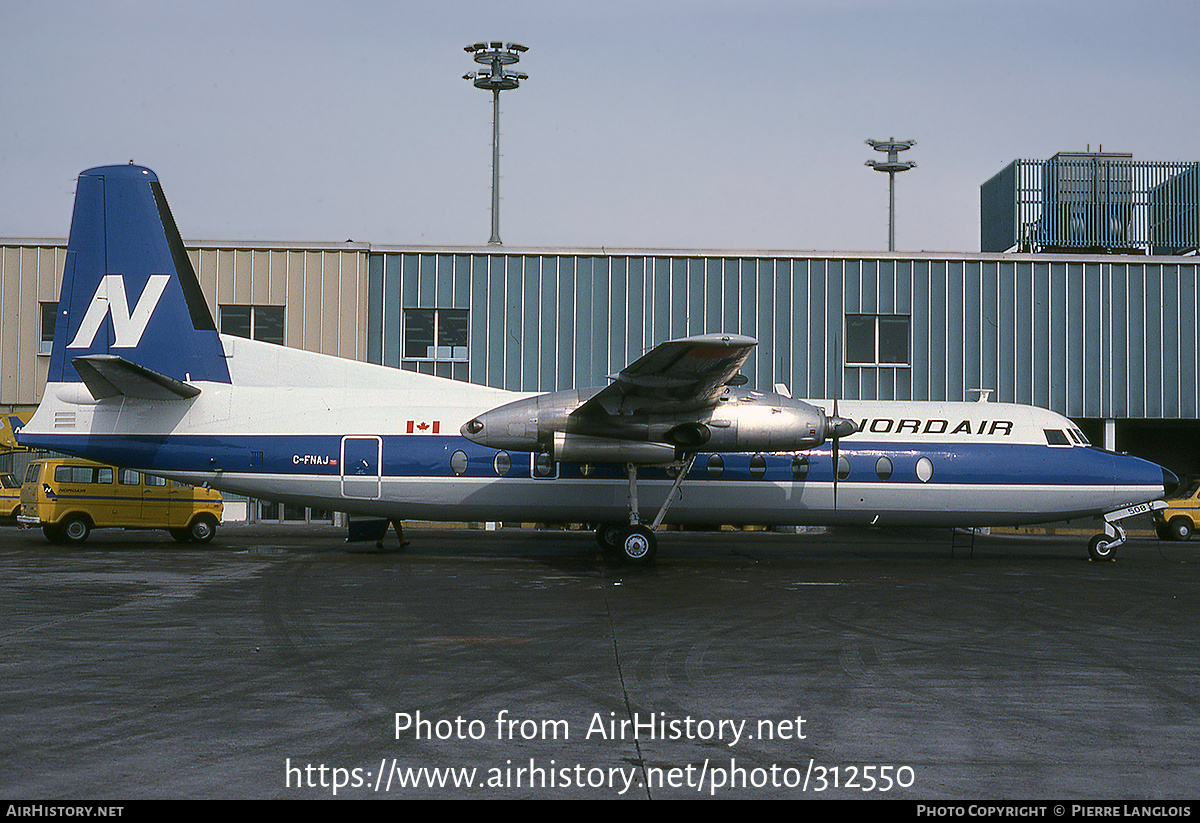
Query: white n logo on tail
(110, 299)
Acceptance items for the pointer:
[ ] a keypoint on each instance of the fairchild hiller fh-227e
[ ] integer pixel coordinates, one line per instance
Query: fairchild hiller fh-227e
(140, 377)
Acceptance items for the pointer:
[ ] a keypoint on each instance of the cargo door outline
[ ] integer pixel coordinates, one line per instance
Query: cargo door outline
(361, 460)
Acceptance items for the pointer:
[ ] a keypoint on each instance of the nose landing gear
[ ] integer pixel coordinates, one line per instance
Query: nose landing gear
(1103, 546)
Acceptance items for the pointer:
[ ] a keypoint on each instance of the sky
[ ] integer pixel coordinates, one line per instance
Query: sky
(671, 124)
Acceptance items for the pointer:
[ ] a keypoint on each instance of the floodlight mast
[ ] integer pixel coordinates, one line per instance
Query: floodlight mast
(892, 165)
(496, 55)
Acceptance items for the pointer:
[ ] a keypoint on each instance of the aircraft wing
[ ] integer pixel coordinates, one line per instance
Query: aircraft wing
(675, 376)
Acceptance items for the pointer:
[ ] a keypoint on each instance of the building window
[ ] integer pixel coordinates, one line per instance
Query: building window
(49, 314)
(877, 340)
(435, 334)
(263, 323)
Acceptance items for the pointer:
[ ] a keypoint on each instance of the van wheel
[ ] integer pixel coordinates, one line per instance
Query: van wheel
(75, 529)
(1181, 528)
(203, 529)
(181, 535)
(53, 533)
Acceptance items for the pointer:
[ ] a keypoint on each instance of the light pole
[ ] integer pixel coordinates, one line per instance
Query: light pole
(496, 79)
(893, 164)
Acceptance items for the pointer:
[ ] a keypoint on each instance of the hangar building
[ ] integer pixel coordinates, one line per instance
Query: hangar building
(1104, 335)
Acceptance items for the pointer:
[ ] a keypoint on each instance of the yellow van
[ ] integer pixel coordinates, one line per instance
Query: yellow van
(10, 497)
(68, 497)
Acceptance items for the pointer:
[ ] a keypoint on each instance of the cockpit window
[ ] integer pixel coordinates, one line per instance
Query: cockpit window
(1056, 437)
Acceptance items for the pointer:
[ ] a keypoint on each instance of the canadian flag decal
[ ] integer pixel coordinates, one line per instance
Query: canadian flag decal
(423, 427)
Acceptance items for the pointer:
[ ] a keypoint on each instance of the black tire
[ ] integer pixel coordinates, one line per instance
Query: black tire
(203, 528)
(180, 535)
(1100, 547)
(75, 528)
(606, 536)
(52, 533)
(637, 545)
(1181, 528)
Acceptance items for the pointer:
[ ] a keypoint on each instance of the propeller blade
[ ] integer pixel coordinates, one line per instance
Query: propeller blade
(834, 451)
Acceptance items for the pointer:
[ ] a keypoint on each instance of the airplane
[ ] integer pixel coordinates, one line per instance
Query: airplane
(139, 376)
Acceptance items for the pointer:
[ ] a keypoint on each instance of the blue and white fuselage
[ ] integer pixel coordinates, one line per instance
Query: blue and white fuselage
(937, 464)
(139, 377)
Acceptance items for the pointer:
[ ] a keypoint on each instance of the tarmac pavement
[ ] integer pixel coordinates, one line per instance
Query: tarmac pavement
(275, 663)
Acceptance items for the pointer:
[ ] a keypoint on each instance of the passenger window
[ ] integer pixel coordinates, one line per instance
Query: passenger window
(800, 467)
(716, 466)
(151, 480)
(76, 474)
(502, 463)
(758, 466)
(129, 477)
(883, 468)
(843, 467)
(543, 465)
(924, 469)
(103, 475)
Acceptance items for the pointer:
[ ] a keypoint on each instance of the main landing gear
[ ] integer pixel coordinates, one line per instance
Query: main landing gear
(1103, 546)
(636, 543)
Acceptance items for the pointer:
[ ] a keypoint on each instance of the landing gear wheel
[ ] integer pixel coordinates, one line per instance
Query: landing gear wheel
(203, 529)
(75, 529)
(606, 536)
(637, 545)
(1181, 528)
(1100, 547)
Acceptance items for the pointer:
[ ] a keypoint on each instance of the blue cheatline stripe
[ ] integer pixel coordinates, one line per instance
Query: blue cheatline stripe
(431, 456)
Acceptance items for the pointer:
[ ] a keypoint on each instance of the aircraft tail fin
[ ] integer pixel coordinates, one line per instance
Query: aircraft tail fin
(131, 317)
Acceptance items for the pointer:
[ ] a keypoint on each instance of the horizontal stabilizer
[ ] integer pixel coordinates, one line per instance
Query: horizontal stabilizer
(107, 375)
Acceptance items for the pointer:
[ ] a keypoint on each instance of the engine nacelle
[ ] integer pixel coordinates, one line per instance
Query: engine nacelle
(525, 425)
(742, 421)
(581, 448)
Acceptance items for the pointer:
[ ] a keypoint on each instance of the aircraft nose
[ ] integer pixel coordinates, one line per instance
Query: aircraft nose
(1170, 483)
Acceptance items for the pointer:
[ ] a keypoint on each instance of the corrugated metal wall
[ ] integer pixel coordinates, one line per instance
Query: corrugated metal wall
(1087, 337)
(1091, 201)
(30, 275)
(321, 289)
(1092, 337)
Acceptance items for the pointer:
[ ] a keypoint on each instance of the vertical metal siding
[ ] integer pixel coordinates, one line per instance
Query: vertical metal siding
(1088, 338)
